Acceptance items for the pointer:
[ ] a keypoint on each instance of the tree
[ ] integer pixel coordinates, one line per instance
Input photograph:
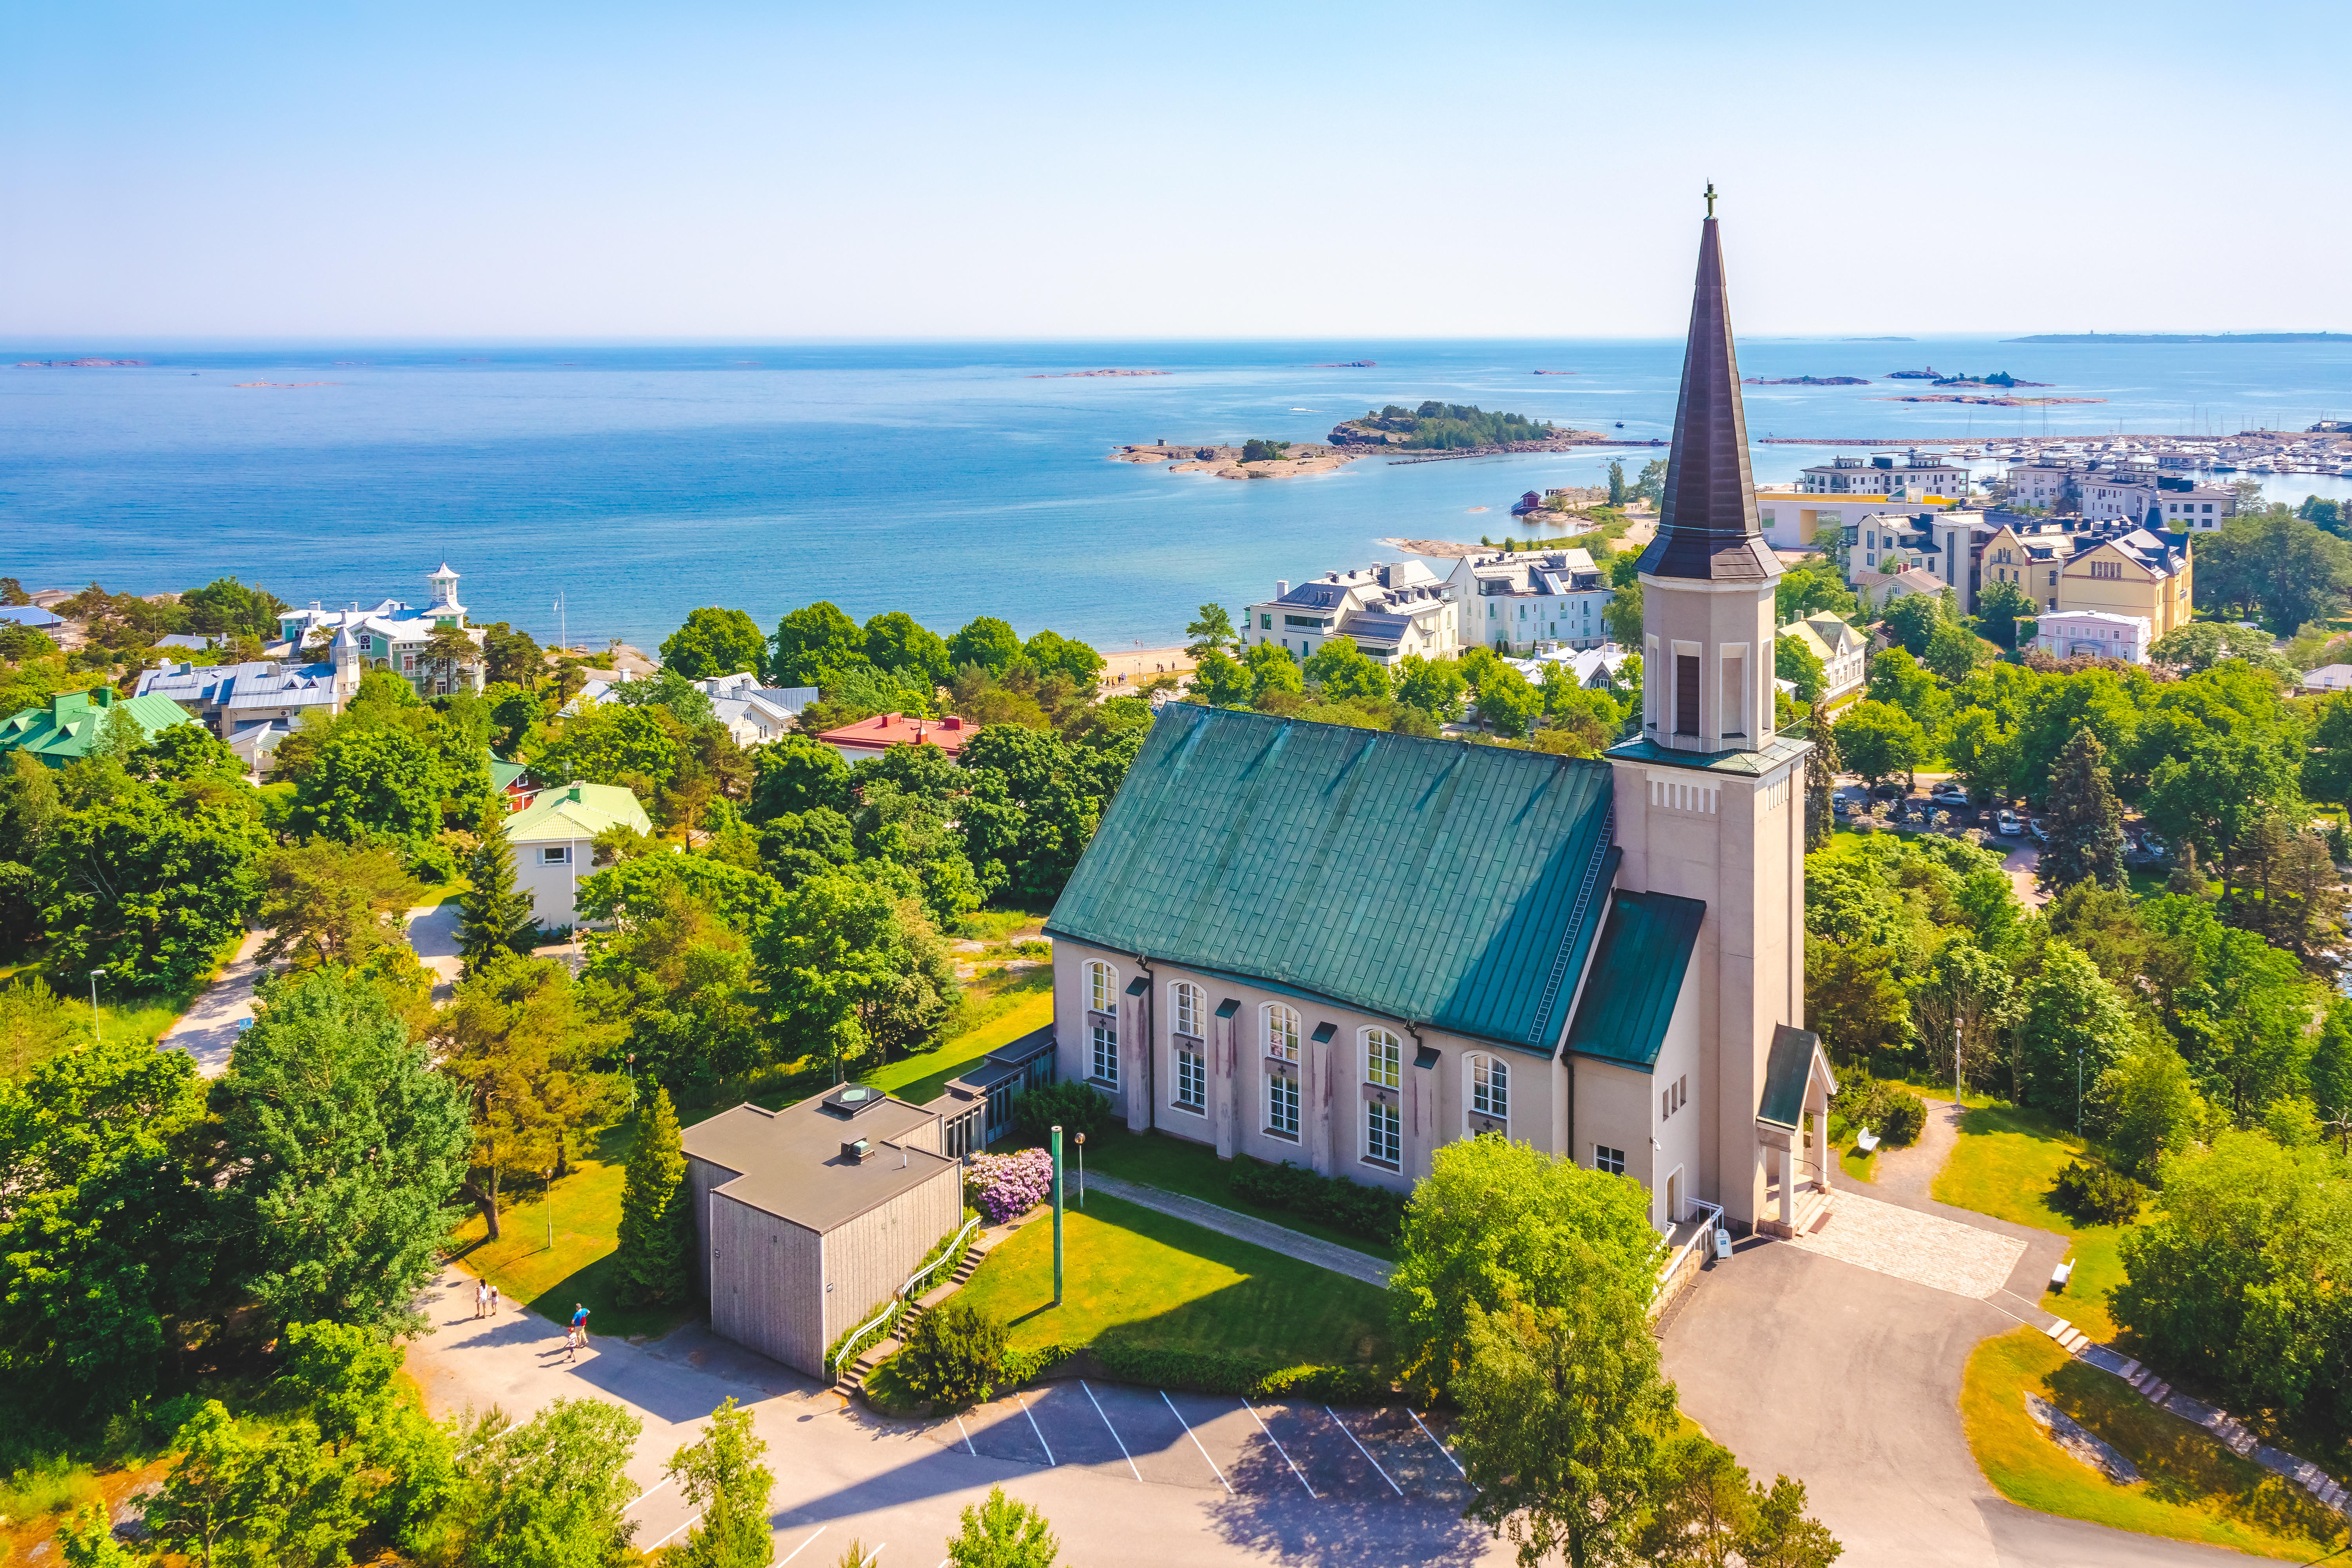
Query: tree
(2147, 1107)
(1912, 619)
(1900, 682)
(1969, 998)
(1560, 1410)
(1878, 741)
(1212, 632)
(1002, 1532)
(793, 775)
(1999, 607)
(342, 1144)
(1854, 999)
(894, 640)
(721, 1475)
(1805, 591)
(511, 1045)
(1271, 669)
(1495, 1223)
(851, 965)
(812, 643)
(1651, 486)
(987, 643)
(1954, 652)
(1705, 1513)
(1822, 764)
(1621, 615)
(2327, 769)
(955, 1356)
(2200, 645)
(2213, 796)
(2071, 1020)
(1793, 661)
(1341, 671)
(551, 1492)
(613, 743)
(499, 916)
(108, 1239)
(1433, 685)
(2275, 559)
(656, 1255)
(369, 779)
(714, 642)
(1050, 653)
(512, 658)
(1505, 701)
(148, 892)
(325, 902)
(1219, 682)
(226, 607)
(1033, 806)
(1616, 484)
(2086, 820)
(236, 1500)
(2238, 1006)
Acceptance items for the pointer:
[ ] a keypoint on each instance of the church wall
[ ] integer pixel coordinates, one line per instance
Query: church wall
(1683, 1134)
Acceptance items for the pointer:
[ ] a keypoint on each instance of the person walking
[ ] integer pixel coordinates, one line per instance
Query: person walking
(481, 1297)
(494, 1300)
(579, 1334)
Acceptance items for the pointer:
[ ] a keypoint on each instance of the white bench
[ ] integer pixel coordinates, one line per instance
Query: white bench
(2060, 1275)
(1865, 1140)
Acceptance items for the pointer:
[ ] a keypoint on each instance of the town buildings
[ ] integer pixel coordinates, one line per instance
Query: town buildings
(1388, 609)
(391, 635)
(2129, 571)
(553, 838)
(872, 737)
(1844, 651)
(752, 713)
(1346, 948)
(67, 729)
(1511, 600)
(1793, 519)
(2111, 489)
(1915, 476)
(2068, 633)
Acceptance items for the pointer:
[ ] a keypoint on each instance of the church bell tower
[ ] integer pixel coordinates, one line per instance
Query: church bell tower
(1709, 799)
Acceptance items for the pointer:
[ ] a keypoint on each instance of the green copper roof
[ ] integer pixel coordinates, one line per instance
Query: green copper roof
(504, 772)
(1785, 1072)
(69, 725)
(577, 811)
(1430, 881)
(1637, 975)
(1779, 748)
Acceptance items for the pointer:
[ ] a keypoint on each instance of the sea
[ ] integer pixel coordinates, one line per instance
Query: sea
(601, 492)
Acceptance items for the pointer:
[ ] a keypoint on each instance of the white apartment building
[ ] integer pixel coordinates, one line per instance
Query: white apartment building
(1513, 600)
(1791, 517)
(1388, 609)
(2066, 633)
(2046, 484)
(1910, 475)
(753, 714)
(392, 636)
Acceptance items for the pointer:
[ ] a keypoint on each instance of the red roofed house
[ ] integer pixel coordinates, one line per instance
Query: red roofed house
(872, 737)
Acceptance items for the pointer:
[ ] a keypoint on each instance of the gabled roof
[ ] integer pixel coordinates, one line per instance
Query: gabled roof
(69, 725)
(1707, 525)
(1636, 977)
(577, 811)
(1786, 1071)
(1430, 881)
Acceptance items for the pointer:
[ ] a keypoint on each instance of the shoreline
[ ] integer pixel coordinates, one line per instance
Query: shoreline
(1225, 462)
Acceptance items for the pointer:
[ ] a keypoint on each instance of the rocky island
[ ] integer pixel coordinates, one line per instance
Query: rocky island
(1081, 374)
(1804, 381)
(1252, 460)
(1458, 430)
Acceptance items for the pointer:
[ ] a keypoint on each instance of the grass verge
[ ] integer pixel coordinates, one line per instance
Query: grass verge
(1148, 1280)
(2003, 1166)
(2193, 1488)
(1177, 1165)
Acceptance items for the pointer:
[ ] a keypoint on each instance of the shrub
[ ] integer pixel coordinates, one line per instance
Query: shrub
(2095, 1195)
(955, 1356)
(1075, 1106)
(1003, 1186)
(1336, 1201)
(1889, 1110)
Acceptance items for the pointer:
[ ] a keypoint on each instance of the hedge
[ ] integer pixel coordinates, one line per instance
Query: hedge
(1204, 1372)
(1374, 1213)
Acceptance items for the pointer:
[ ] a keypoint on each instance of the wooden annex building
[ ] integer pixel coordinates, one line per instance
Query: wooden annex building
(809, 1217)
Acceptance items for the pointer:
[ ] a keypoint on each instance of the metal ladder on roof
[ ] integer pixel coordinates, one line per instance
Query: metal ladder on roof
(1576, 921)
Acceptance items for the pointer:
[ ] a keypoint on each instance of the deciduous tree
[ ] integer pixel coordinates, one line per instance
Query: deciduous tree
(714, 642)
(370, 780)
(999, 1532)
(551, 1492)
(1212, 632)
(721, 1474)
(985, 642)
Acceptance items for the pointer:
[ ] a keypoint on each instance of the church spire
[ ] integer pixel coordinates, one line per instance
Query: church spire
(1706, 527)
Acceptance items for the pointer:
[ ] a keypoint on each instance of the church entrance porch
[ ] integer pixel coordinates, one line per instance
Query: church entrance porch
(1792, 1134)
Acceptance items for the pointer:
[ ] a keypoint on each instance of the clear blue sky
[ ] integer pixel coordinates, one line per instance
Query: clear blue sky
(774, 171)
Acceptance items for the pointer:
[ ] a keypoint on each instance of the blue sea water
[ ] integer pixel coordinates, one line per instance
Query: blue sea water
(948, 480)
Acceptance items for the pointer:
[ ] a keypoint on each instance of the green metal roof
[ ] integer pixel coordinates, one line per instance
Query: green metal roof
(504, 772)
(1779, 748)
(69, 725)
(1430, 881)
(1637, 976)
(1785, 1072)
(577, 811)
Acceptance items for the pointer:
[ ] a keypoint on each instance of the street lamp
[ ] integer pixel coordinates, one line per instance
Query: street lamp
(95, 1038)
(1082, 1170)
(551, 1209)
(2078, 1092)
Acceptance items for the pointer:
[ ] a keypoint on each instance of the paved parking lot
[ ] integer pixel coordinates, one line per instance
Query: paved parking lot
(1218, 1444)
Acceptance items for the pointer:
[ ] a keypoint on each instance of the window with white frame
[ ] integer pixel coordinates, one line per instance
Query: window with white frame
(1282, 1104)
(1383, 1059)
(1383, 1134)
(1383, 1069)
(1185, 1009)
(1490, 1087)
(1192, 1080)
(1281, 1032)
(1102, 987)
(1102, 1026)
(1608, 1160)
(555, 855)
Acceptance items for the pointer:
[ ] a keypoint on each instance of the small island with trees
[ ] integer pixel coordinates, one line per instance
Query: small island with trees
(1456, 428)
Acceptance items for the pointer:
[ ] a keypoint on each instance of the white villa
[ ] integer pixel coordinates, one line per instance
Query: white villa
(2069, 632)
(1388, 609)
(391, 636)
(553, 837)
(754, 714)
(1844, 652)
(1512, 600)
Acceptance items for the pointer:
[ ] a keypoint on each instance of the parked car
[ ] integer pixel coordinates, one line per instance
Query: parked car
(2005, 822)
(2154, 845)
(1839, 804)
(2035, 831)
(1949, 793)
(1889, 791)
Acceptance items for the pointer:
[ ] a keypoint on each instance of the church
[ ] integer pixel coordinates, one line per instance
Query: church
(1344, 948)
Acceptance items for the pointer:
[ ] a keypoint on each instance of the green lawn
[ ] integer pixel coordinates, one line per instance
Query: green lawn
(1176, 1166)
(1008, 1003)
(1142, 1278)
(2003, 1166)
(2193, 1488)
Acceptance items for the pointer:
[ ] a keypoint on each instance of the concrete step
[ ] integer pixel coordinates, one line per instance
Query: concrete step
(2059, 1329)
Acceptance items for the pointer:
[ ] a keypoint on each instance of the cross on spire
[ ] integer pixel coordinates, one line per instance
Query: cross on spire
(1710, 198)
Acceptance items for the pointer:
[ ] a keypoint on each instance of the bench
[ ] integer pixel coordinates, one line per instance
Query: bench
(2060, 1275)
(1865, 1140)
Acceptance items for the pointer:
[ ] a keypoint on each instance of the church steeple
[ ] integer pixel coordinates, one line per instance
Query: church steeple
(1706, 527)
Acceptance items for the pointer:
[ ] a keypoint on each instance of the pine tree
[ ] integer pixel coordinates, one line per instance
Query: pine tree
(1821, 766)
(656, 1235)
(2085, 819)
(497, 914)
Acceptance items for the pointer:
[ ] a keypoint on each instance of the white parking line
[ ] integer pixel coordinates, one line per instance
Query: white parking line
(967, 1437)
(1033, 1427)
(1367, 1453)
(1196, 1442)
(803, 1546)
(646, 1493)
(1112, 1430)
(1277, 1445)
(664, 1541)
(1440, 1447)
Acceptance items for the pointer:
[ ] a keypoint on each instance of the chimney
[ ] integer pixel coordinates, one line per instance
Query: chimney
(1282, 586)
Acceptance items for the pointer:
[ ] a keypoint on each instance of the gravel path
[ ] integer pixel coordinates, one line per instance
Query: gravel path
(1910, 1173)
(1242, 1227)
(208, 1029)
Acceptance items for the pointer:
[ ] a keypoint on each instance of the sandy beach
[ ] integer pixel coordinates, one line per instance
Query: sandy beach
(1124, 669)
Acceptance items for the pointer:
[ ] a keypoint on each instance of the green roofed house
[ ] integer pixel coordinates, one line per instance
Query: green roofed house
(1346, 948)
(71, 725)
(551, 838)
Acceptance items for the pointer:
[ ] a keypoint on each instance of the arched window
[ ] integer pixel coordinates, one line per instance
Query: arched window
(1191, 1067)
(1490, 1092)
(1102, 1022)
(1281, 1032)
(1383, 1124)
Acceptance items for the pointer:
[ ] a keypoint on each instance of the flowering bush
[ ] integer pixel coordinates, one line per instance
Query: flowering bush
(1003, 1186)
